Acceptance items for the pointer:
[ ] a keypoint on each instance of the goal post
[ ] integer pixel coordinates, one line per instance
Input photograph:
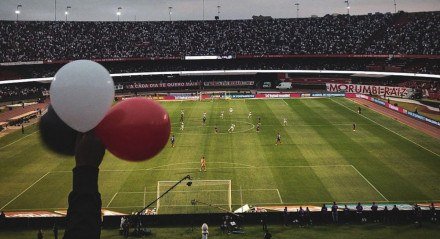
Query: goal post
(216, 193)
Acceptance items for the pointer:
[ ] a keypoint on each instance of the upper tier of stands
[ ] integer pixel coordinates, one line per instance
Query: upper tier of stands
(403, 33)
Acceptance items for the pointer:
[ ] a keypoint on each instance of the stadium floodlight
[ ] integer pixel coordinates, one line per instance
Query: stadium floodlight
(67, 11)
(218, 12)
(348, 6)
(17, 11)
(203, 10)
(118, 13)
(170, 11)
(297, 10)
(395, 6)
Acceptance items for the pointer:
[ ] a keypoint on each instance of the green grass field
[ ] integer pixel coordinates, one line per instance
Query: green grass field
(320, 160)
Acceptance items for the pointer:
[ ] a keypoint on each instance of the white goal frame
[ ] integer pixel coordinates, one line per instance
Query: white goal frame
(210, 182)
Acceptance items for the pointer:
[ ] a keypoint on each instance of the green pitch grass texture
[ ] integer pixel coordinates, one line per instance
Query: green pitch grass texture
(321, 159)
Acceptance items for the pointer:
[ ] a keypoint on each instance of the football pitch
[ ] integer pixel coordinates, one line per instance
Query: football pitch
(320, 160)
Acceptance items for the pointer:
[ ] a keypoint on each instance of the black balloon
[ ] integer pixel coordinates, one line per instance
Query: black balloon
(56, 134)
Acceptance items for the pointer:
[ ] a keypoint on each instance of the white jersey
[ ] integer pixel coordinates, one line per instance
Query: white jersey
(285, 121)
(250, 114)
(221, 115)
(205, 231)
(182, 126)
(231, 110)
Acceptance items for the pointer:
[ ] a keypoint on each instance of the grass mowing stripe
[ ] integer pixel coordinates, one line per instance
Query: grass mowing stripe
(25, 190)
(291, 151)
(395, 161)
(369, 182)
(344, 142)
(353, 111)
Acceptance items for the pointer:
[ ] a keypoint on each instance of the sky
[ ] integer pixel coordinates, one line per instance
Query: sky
(158, 10)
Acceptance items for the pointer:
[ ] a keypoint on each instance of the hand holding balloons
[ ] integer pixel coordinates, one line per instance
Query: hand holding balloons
(82, 93)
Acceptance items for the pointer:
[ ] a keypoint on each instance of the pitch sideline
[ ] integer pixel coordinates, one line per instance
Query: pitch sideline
(387, 128)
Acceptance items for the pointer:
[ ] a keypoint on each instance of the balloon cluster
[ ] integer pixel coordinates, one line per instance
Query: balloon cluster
(82, 94)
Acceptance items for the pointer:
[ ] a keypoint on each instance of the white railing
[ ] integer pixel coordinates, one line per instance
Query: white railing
(239, 72)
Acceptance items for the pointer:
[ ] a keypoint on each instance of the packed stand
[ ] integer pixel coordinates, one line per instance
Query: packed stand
(15, 92)
(343, 34)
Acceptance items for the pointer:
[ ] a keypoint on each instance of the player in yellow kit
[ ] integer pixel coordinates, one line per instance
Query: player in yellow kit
(203, 164)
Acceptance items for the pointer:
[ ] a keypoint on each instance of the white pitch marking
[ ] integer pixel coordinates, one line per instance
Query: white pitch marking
(239, 167)
(225, 190)
(111, 200)
(388, 129)
(285, 102)
(279, 195)
(19, 139)
(24, 190)
(369, 183)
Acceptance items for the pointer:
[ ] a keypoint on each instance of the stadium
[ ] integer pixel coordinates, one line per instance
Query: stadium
(299, 123)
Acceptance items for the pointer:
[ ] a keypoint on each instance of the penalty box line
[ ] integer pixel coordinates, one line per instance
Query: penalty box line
(232, 167)
(368, 181)
(235, 190)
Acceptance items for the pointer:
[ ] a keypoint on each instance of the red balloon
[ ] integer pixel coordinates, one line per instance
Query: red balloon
(135, 129)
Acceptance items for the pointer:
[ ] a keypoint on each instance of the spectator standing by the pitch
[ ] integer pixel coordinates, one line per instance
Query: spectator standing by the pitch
(267, 235)
(395, 214)
(55, 230)
(308, 217)
(385, 215)
(359, 212)
(374, 208)
(40, 234)
(417, 215)
(205, 231)
(432, 213)
(324, 212)
(335, 213)
(346, 214)
(286, 217)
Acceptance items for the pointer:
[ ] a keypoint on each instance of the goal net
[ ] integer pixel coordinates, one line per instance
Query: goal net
(209, 195)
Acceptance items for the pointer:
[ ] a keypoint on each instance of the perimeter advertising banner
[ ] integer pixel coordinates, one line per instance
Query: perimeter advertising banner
(370, 89)
(278, 95)
(395, 108)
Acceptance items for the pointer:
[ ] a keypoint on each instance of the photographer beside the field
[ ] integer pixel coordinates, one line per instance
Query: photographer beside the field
(84, 212)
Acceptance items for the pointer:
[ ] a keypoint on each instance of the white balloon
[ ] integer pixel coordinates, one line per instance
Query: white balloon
(81, 94)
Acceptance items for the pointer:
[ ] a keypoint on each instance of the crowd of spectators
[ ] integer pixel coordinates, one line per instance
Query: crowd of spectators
(21, 91)
(362, 213)
(404, 33)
